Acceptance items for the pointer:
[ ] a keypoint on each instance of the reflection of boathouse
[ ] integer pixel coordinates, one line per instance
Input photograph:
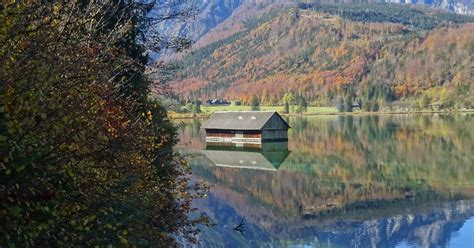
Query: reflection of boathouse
(246, 127)
(269, 157)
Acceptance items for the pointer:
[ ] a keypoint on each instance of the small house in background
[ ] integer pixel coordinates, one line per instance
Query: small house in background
(245, 127)
(217, 102)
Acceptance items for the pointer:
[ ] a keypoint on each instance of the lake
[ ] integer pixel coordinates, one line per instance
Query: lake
(341, 181)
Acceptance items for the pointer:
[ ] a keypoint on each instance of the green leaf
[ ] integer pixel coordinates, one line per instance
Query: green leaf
(69, 171)
(122, 239)
(16, 211)
(20, 168)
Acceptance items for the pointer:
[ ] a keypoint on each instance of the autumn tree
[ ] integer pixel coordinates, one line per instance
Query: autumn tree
(424, 102)
(289, 97)
(86, 157)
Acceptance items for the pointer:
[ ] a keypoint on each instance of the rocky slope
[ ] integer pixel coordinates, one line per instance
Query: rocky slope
(222, 15)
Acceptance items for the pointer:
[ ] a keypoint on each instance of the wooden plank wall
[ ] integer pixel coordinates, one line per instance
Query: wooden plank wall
(249, 134)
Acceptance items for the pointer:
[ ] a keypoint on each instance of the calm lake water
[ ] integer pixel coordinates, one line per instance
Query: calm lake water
(342, 181)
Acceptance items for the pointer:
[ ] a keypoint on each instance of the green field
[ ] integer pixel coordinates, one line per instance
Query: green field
(208, 110)
(311, 110)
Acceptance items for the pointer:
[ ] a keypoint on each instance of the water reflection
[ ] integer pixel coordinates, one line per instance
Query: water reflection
(380, 181)
(269, 156)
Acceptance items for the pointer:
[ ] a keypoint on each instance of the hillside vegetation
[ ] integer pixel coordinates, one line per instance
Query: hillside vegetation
(326, 53)
(217, 19)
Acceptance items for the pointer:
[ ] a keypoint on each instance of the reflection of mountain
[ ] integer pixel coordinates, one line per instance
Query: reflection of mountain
(269, 157)
(426, 225)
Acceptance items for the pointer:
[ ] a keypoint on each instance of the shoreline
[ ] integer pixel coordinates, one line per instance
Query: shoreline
(175, 116)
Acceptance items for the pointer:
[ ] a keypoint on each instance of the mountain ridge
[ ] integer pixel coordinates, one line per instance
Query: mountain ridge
(221, 15)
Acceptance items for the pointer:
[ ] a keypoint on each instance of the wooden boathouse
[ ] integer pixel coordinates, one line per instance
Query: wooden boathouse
(245, 127)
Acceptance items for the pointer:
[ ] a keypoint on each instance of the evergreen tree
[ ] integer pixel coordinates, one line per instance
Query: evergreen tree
(302, 104)
(340, 104)
(197, 107)
(367, 106)
(348, 103)
(375, 106)
(286, 108)
(255, 103)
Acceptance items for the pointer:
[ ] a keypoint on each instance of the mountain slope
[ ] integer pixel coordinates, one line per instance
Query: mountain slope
(227, 16)
(208, 14)
(323, 52)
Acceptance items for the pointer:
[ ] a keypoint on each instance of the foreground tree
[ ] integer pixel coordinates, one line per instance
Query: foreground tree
(85, 157)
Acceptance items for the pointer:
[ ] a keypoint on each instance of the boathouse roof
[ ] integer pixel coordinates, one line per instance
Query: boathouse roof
(245, 120)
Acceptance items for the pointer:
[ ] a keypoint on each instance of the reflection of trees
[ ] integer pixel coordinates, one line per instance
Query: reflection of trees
(291, 193)
(341, 167)
(339, 160)
(404, 149)
(190, 134)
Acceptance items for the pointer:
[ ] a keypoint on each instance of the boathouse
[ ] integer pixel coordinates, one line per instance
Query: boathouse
(245, 127)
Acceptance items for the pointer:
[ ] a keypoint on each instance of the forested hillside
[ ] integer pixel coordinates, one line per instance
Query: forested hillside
(226, 16)
(368, 53)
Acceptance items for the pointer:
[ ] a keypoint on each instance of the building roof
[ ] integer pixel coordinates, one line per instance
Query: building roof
(240, 120)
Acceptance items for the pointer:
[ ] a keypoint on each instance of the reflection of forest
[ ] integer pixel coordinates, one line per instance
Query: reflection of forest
(299, 195)
(354, 168)
(341, 160)
(291, 207)
(432, 150)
